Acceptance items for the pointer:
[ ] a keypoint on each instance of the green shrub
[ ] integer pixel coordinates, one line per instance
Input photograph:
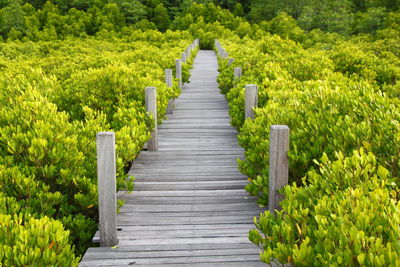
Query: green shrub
(325, 110)
(346, 213)
(35, 242)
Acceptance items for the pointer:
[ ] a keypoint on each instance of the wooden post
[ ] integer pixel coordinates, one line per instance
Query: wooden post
(251, 100)
(106, 181)
(278, 164)
(168, 81)
(187, 51)
(151, 108)
(230, 61)
(178, 72)
(237, 74)
(183, 57)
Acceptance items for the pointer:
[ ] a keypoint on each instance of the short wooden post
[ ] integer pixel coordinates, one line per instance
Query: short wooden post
(151, 108)
(251, 100)
(178, 71)
(187, 51)
(278, 164)
(183, 57)
(168, 82)
(230, 61)
(237, 74)
(106, 181)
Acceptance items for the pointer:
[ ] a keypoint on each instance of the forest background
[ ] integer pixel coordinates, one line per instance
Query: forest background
(46, 20)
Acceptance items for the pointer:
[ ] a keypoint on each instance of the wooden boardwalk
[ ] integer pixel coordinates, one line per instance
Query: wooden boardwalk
(189, 206)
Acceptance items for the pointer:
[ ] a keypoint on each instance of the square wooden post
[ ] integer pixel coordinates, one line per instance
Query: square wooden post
(251, 100)
(106, 175)
(278, 164)
(151, 108)
(168, 82)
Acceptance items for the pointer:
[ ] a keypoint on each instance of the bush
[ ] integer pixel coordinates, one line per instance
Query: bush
(35, 242)
(347, 213)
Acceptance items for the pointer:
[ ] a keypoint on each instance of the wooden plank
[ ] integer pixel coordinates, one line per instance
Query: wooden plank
(176, 247)
(190, 185)
(214, 227)
(183, 253)
(170, 234)
(225, 207)
(196, 240)
(178, 220)
(174, 260)
(187, 200)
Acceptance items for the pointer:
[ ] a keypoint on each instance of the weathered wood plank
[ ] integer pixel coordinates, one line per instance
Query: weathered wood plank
(184, 207)
(244, 259)
(187, 253)
(187, 200)
(229, 192)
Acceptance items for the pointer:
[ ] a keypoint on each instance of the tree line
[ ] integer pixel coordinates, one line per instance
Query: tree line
(49, 19)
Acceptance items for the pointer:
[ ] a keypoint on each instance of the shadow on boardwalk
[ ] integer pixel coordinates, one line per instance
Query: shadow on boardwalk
(189, 206)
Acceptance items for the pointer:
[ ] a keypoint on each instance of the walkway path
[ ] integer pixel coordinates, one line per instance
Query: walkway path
(189, 207)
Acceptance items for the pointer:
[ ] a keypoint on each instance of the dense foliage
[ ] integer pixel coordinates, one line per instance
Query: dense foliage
(328, 69)
(340, 98)
(51, 19)
(54, 98)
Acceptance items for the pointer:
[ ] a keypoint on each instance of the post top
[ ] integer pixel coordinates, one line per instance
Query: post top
(279, 127)
(251, 85)
(105, 134)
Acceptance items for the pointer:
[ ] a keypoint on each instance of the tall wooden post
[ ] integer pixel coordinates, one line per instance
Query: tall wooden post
(151, 108)
(251, 100)
(187, 52)
(237, 74)
(178, 72)
(183, 57)
(278, 164)
(168, 82)
(106, 181)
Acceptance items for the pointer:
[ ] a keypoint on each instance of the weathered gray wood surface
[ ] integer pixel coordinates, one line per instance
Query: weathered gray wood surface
(189, 206)
(151, 108)
(168, 82)
(278, 164)
(106, 175)
(251, 100)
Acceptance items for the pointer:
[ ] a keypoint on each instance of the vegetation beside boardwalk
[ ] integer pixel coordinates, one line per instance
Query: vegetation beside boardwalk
(327, 69)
